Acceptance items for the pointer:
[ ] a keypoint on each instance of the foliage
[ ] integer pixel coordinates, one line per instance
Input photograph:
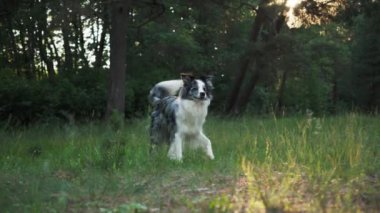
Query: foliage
(79, 96)
(56, 61)
(366, 61)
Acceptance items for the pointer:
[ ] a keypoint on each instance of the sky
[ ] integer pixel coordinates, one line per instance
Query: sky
(292, 20)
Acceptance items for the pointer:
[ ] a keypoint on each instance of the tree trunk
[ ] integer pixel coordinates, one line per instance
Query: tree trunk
(334, 92)
(31, 50)
(237, 100)
(75, 40)
(44, 56)
(13, 46)
(281, 90)
(100, 47)
(26, 63)
(241, 103)
(246, 59)
(234, 93)
(82, 50)
(68, 63)
(56, 55)
(373, 87)
(42, 34)
(118, 45)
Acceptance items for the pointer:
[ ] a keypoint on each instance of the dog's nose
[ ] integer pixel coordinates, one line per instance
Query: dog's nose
(202, 94)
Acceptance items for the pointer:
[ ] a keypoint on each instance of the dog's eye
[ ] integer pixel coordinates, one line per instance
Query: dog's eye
(193, 89)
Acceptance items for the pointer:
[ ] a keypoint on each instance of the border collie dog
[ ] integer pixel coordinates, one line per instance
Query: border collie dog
(179, 112)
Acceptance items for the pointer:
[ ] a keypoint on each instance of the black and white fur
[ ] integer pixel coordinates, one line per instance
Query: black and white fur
(164, 89)
(179, 111)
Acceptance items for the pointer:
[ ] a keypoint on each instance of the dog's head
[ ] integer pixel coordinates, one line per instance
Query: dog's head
(197, 89)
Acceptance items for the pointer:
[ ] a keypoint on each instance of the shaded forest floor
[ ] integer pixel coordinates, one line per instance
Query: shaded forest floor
(294, 164)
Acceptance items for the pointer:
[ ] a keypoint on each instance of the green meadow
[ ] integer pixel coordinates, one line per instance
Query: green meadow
(266, 164)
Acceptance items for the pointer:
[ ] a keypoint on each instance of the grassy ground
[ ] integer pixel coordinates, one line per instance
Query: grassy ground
(295, 164)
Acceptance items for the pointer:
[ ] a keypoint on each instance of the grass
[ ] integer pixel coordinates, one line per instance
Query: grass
(294, 164)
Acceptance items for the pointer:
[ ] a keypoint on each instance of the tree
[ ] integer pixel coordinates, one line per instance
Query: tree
(99, 49)
(118, 45)
(268, 22)
(366, 60)
(42, 35)
(258, 62)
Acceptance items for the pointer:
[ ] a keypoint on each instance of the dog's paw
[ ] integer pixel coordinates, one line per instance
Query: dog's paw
(174, 157)
(210, 153)
(211, 157)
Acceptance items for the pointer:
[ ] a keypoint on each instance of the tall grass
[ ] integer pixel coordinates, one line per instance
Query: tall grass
(308, 164)
(286, 164)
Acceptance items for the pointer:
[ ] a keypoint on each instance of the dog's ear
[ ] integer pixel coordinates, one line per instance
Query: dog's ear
(184, 74)
(187, 79)
(208, 80)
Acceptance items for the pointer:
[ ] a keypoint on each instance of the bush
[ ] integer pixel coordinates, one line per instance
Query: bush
(78, 96)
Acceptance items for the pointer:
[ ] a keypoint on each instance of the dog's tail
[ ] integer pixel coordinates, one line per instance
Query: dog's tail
(156, 94)
(167, 88)
(164, 89)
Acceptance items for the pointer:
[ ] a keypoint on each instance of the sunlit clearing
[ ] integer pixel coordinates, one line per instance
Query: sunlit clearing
(292, 3)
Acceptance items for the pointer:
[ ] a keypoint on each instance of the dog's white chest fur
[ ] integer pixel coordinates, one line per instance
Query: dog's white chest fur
(191, 116)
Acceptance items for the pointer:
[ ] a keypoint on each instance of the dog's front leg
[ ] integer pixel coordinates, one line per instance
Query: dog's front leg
(206, 145)
(175, 150)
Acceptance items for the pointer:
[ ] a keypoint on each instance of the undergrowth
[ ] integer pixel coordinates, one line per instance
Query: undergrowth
(268, 164)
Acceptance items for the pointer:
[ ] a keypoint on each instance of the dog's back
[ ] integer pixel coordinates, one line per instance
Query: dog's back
(163, 121)
(162, 98)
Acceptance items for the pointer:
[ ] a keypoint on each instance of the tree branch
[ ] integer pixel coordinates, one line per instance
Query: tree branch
(152, 17)
(241, 5)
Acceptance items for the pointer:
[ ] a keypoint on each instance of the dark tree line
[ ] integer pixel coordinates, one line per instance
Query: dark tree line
(88, 59)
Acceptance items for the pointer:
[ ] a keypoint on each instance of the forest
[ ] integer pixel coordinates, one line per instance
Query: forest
(266, 56)
(294, 120)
